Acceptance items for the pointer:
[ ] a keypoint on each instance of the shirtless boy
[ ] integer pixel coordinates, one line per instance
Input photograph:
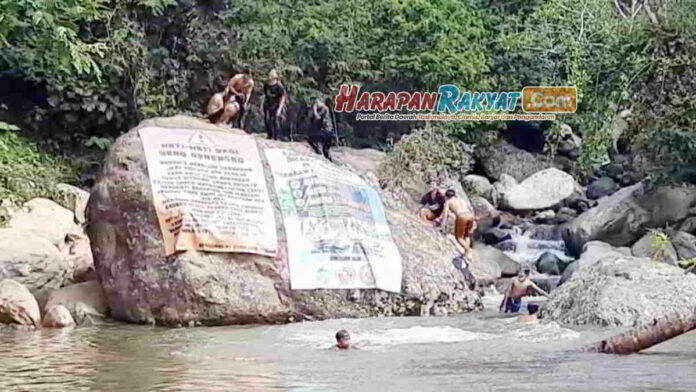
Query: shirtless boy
(465, 220)
(518, 289)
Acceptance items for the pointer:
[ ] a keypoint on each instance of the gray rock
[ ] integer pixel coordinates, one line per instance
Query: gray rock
(688, 225)
(655, 246)
(58, 317)
(594, 251)
(568, 272)
(503, 158)
(45, 218)
(684, 244)
(548, 263)
(668, 204)
(475, 185)
(143, 286)
(617, 220)
(17, 305)
(622, 291)
(495, 235)
(75, 200)
(546, 215)
(508, 266)
(540, 191)
(485, 212)
(604, 186)
(34, 262)
(88, 295)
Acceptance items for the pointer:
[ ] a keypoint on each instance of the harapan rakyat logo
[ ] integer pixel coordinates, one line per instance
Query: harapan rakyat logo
(449, 99)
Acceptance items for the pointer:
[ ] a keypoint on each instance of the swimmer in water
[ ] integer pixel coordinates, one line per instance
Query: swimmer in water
(343, 340)
(530, 318)
(518, 289)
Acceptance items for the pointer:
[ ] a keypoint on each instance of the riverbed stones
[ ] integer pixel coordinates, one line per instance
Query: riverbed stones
(80, 299)
(18, 305)
(75, 200)
(656, 246)
(33, 261)
(142, 285)
(549, 263)
(684, 244)
(622, 291)
(58, 317)
(540, 191)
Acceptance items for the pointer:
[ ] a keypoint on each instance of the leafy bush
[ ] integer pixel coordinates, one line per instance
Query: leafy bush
(426, 152)
(25, 171)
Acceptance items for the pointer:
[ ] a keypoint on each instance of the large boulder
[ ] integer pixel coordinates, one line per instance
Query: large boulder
(142, 285)
(592, 252)
(507, 266)
(684, 244)
(80, 299)
(617, 220)
(503, 158)
(668, 204)
(622, 291)
(475, 185)
(34, 262)
(550, 264)
(542, 190)
(17, 305)
(44, 218)
(656, 246)
(487, 214)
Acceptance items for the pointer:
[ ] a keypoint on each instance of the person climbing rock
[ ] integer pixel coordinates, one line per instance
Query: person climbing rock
(241, 86)
(432, 204)
(321, 130)
(518, 289)
(464, 220)
(274, 105)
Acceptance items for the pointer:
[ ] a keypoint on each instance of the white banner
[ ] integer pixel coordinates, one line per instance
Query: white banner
(338, 235)
(209, 191)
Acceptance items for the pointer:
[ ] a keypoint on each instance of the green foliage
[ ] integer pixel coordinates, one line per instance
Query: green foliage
(426, 152)
(25, 171)
(659, 242)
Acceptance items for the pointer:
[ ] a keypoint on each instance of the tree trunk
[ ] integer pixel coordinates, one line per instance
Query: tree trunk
(644, 337)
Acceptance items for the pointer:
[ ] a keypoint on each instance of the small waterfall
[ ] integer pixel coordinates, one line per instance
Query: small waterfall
(528, 243)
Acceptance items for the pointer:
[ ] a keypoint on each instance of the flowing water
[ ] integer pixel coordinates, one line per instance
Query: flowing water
(527, 244)
(474, 352)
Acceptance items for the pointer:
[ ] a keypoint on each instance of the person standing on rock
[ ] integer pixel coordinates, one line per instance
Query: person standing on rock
(241, 86)
(432, 205)
(464, 220)
(321, 130)
(518, 289)
(275, 101)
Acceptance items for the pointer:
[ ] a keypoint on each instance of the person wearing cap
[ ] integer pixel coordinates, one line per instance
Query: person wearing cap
(241, 86)
(275, 101)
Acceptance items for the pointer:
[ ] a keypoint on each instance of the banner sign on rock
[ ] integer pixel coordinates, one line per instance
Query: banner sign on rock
(338, 235)
(209, 191)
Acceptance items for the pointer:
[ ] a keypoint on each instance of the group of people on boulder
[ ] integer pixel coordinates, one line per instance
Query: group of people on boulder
(230, 106)
(436, 208)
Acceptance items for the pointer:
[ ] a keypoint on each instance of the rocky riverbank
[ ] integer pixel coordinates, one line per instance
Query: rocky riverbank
(610, 251)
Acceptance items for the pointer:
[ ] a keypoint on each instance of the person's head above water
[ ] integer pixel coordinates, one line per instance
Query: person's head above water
(532, 308)
(450, 193)
(343, 339)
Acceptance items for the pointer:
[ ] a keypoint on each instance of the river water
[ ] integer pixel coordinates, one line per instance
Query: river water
(474, 352)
